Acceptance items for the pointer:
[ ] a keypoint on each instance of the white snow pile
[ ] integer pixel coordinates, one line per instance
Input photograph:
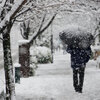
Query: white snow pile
(17, 65)
(23, 42)
(42, 54)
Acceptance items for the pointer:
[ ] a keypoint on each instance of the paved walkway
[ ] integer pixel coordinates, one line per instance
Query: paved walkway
(54, 82)
(61, 66)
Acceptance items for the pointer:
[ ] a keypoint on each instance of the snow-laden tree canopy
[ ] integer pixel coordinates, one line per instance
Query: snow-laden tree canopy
(84, 13)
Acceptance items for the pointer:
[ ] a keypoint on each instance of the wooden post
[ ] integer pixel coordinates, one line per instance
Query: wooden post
(24, 58)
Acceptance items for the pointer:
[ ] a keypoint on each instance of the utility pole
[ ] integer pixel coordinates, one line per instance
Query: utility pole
(52, 43)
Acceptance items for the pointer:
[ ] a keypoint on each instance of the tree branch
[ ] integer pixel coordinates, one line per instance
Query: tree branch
(35, 35)
(21, 30)
(16, 11)
(48, 24)
(42, 23)
(22, 13)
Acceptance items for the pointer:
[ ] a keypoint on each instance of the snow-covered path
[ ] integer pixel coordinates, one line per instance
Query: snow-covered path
(54, 82)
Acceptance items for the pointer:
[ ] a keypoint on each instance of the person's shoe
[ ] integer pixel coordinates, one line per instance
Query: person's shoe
(76, 89)
(79, 90)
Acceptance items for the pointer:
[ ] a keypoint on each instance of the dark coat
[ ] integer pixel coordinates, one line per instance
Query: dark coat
(79, 56)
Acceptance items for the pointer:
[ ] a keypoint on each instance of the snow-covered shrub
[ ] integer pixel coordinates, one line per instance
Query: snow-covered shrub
(43, 54)
(33, 60)
(43, 40)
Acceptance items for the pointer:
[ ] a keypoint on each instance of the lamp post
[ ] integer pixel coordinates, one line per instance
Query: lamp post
(51, 43)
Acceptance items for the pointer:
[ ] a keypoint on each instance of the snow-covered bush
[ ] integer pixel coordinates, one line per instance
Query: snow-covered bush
(33, 60)
(42, 54)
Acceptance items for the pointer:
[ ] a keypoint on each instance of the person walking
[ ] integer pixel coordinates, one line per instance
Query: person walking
(79, 58)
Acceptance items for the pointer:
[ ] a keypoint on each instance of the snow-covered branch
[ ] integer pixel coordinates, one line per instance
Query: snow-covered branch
(16, 7)
(26, 10)
(2, 3)
(38, 32)
(42, 23)
(48, 24)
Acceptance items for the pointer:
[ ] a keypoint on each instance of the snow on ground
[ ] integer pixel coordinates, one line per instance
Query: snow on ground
(54, 82)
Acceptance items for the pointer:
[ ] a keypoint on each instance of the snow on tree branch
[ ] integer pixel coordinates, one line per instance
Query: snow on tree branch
(2, 3)
(43, 29)
(26, 10)
(15, 8)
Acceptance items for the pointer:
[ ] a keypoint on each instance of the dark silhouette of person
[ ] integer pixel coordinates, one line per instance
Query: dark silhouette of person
(79, 58)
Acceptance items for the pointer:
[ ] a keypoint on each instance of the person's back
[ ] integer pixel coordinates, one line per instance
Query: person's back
(79, 58)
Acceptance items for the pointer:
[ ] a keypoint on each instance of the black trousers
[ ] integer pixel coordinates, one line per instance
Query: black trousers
(78, 78)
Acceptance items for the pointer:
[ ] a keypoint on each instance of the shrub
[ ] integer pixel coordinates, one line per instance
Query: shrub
(43, 54)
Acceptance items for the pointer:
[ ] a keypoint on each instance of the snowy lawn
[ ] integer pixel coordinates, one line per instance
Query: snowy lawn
(54, 82)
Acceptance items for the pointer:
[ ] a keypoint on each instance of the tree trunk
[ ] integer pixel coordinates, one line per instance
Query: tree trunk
(8, 67)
